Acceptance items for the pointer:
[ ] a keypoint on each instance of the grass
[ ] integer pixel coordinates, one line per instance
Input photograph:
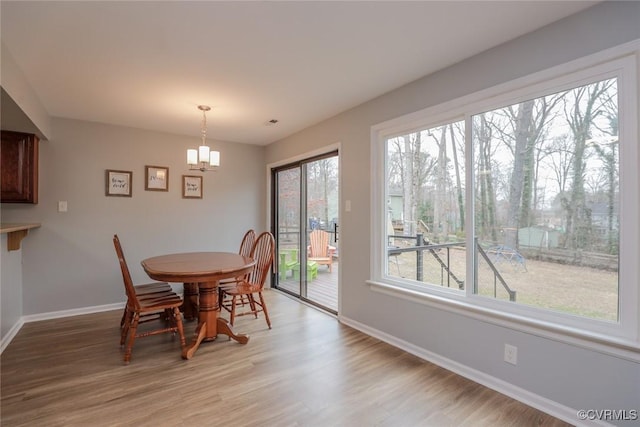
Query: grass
(577, 290)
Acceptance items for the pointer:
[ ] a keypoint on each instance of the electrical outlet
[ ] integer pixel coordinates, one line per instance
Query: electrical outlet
(511, 354)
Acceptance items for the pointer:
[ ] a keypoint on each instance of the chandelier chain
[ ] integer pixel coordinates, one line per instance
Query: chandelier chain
(204, 125)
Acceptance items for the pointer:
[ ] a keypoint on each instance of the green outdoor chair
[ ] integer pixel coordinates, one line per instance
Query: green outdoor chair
(288, 261)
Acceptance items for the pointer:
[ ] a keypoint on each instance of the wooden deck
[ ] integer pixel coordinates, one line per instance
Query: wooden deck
(322, 290)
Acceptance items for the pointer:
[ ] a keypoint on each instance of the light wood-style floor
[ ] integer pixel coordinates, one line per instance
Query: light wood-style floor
(309, 370)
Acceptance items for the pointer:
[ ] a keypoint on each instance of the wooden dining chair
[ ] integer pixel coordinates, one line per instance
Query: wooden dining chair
(142, 309)
(246, 245)
(151, 290)
(263, 252)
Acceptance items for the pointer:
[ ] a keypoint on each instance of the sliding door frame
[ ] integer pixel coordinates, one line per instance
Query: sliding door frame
(300, 163)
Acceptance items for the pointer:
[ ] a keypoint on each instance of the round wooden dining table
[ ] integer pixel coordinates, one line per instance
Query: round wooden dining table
(205, 269)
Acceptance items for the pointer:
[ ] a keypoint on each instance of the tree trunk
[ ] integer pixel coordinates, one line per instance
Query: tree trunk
(579, 222)
(522, 137)
(440, 226)
(408, 201)
(458, 180)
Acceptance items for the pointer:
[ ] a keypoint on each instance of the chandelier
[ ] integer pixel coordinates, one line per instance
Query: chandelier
(203, 159)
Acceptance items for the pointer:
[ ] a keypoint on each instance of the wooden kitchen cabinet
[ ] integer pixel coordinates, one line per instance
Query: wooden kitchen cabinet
(19, 167)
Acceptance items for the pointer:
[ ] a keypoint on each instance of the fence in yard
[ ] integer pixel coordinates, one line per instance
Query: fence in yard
(575, 257)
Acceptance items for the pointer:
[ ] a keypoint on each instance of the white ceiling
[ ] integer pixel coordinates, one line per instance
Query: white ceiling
(149, 64)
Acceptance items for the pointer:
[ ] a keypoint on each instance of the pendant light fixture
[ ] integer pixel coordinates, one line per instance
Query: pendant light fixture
(203, 159)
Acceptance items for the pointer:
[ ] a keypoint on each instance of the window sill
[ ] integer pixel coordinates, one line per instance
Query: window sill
(621, 348)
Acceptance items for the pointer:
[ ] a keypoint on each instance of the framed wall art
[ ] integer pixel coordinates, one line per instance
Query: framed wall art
(118, 183)
(191, 187)
(156, 178)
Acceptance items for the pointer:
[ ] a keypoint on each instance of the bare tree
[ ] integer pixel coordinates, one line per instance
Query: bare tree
(409, 168)
(543, 115)
(440, 222)
(522, 128)
(459, 192)
(487, 212)
(582, 106)
(409, 186)
(559, 159)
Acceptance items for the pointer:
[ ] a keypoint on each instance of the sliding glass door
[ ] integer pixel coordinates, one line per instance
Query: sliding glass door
(305, 219)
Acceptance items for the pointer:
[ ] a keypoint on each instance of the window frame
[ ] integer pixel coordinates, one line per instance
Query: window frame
(620, 338)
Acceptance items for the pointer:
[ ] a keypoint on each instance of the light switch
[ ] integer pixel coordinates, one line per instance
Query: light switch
(62, 206)
(347, 205)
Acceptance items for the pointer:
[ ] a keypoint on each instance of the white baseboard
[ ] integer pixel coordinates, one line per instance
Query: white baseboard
(6, 340)
(72, 312)
(536, 401)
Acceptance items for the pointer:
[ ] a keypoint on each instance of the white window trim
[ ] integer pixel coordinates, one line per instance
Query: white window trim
(619, 339)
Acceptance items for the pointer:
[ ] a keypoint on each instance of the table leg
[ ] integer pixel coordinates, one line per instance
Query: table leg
(190, 350)
(224, 327)
(207, 329)
(209, 322)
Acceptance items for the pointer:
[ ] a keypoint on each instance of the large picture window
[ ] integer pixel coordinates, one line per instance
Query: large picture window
(546, 198)
(521, 201)
(425, 200)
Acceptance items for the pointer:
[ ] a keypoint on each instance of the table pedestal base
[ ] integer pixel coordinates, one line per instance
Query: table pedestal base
(210, 325)
(190, 301)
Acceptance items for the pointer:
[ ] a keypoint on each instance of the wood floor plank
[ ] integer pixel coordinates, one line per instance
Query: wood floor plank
(309, 370)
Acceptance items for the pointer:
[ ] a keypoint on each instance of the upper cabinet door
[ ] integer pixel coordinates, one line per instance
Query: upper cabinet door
(19, 167)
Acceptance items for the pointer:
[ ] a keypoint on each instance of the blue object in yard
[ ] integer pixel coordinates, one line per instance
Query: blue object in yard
(502, 253)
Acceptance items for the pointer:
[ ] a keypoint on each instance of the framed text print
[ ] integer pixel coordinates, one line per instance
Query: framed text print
(118, 183)
(191, 187)
(156, 178)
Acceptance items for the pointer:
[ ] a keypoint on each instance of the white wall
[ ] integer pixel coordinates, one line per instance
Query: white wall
(558, 377)
(70, 263)
(10, 287)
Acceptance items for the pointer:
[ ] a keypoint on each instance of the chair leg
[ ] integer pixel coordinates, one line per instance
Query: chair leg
(221, 297)
(244, 300)
(177, 316)
(132, 338)
(252, 304)
(264, 309)
(233, 310)
(125, 326)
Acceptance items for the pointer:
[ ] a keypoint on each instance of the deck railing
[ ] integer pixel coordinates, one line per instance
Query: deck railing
(446, 273)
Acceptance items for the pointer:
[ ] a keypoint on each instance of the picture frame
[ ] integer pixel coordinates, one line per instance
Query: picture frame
(191, 187)
(156, 178)
(118, 183)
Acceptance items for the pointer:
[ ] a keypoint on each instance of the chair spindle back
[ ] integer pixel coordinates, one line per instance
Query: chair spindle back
(126, 275)
(247, 243)
(263, 252)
